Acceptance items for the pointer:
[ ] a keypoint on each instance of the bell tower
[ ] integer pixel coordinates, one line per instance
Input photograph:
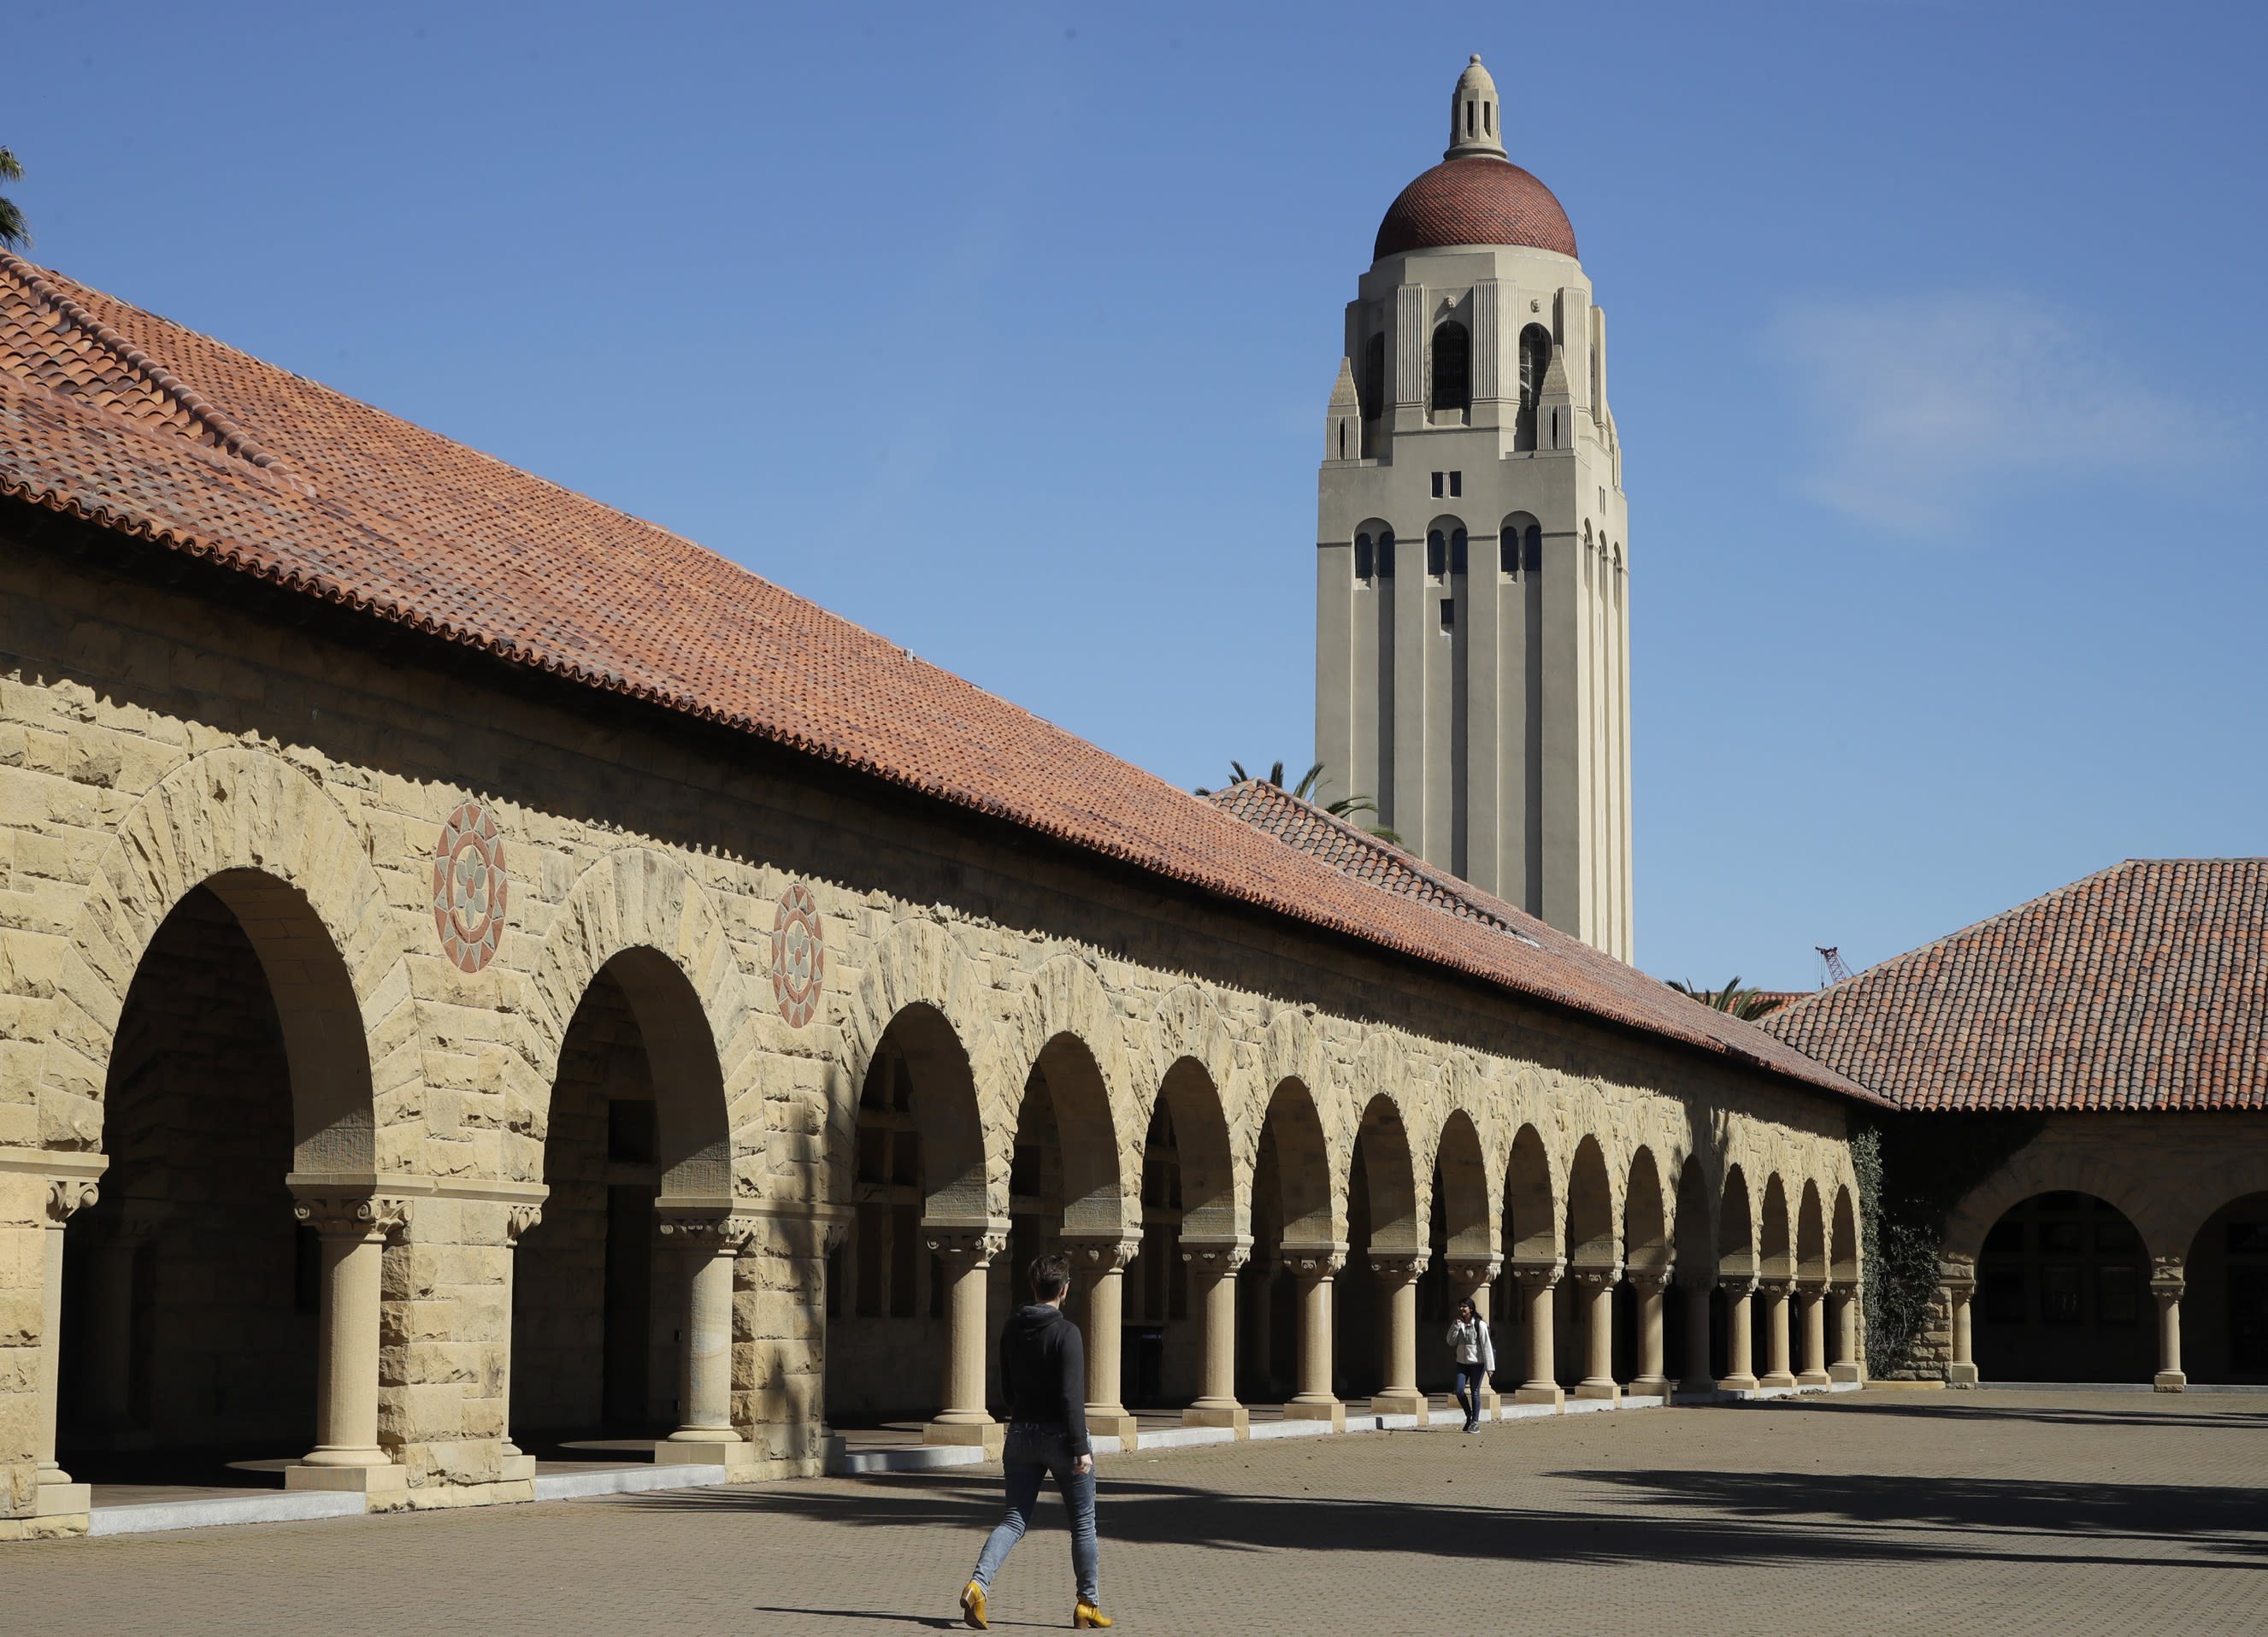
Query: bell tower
(1472, 605)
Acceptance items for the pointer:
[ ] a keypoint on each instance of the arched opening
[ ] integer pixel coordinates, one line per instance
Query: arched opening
(1292, 1210)
(1736, 1272)
(1374, 379)
(1811, 1237)
(1452, 368)
(1188, 1201)
(1775, 1272)
(1531, 1243)
(1593, 1248)
(191, 1298)
(1456, 1232)
(1535, 360)
(1645, 1251)
(1687, 1315)
(2225, 1298)
(636, 1117)
(1381, 1221)
(916, 1160)
(2064, 1294)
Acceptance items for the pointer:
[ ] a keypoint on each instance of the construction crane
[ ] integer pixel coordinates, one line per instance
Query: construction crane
(1832, 955)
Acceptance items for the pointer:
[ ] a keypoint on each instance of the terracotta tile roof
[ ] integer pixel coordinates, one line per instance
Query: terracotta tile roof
(1540, 951)
(2144, 986)
(1474, 202)
(366, 511)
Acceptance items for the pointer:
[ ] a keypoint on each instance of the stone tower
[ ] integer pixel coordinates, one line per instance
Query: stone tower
(1472, 610)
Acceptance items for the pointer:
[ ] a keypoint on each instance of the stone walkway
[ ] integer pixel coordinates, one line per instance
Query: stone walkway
(2068, 1514)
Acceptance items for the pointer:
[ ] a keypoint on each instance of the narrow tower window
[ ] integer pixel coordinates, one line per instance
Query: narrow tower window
(1535, 358)
(1386, 555)
(1469, 114)
(1448, 612)
(1457, 552)
(1362, 559)
(1534, 548)
(1453, 367)
(1373, 376)
(1507, 550)
(1437, 550)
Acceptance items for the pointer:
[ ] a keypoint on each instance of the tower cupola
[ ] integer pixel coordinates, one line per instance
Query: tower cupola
(1475, 130)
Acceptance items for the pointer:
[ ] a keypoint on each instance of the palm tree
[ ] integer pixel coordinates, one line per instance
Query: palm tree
(1746, 1004)
(14, 233)
(1345, 808)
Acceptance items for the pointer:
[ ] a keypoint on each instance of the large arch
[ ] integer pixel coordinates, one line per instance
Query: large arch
(1462, 1190)
(1811, 1262)
(1737, 1235)
(1843, 1244)
(272, 845)
(1775, 1247)
(1592, 1240)
(2060, 1168)
(1645, 1223)
(1211, 1209)
(1531, 1211)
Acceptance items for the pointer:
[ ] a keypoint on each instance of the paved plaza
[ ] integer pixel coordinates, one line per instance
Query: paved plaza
(1883, 1511)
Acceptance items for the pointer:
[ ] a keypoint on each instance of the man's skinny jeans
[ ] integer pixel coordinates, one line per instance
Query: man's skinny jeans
(1030, 1453)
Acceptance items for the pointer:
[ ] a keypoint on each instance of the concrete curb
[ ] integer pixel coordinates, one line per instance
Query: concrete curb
(285, 1506)
(626, 1480)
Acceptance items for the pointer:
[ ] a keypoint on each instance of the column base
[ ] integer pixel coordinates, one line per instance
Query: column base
(2170, 1381)
(368, 1480)
(704, 1452)
(1232, 1416)
(1961, 1375)
(1113, 1424)
(61, 1500)
(1536, 1392)
(990, 1436)
(1814, 1378)
(1777, 1378)
(1742, 1382)
(1610, 1391)
(1649, 1387)
(1329, 1410)
(1846, 1373)
(517, 1469)
(1401, 1404)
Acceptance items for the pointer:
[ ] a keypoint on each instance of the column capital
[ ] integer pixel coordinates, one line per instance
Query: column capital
(1538, 1275)
(1474, 1269)
(369, 1218)
(1650, 1280)
(1311, 1262)
(67, 1194)
(1737, 1285)
(1092, 1256)
(2166, 1280)
(1595, 1277)
(1782, 1287)
(1847, 1287)
(1220, 1256)
(1399, 1267)
(518, 1220)
(1811, 1286)
(971, 1247)
(706, 1232)
(1957, 1273)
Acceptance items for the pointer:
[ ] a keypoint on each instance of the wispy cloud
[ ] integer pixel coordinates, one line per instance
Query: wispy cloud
(1915, 411)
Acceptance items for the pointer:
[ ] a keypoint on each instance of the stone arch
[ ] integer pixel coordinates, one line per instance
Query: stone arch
(1736, 1233)
(638, 915)
(1393, 1220)
(1692, 1231)
(270, 843)
(1303, 1172)
(1066, 1028)
(1645, 1223)
(1531, 1201)
(1213, 1205)
(919, 991)
(1810, 1236)
(1592, 1241)
(1843, 1245)
(1464, 1188)
(2184, 1211)
(2056, 1168)
(1095, 1199)
(1774, 1251)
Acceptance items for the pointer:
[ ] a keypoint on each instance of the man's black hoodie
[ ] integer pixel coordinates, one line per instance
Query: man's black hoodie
(1043, 1371)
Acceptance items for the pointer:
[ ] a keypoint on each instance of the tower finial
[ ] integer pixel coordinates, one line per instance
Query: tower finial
(1474, 130)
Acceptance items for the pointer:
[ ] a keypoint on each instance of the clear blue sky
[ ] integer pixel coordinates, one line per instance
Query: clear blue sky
(1008, 332)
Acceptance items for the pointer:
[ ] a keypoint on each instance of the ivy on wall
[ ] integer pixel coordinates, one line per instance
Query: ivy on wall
(1912, 1170)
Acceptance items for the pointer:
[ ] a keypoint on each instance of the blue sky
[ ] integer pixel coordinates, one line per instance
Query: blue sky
(1007, 331)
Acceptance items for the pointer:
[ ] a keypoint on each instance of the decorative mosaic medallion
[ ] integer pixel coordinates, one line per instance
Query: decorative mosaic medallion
(799, 957)
(469, 888)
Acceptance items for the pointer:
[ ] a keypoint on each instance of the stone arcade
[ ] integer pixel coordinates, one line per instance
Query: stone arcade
(472, 963)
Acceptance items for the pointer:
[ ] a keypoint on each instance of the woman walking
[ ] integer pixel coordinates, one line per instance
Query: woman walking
(1476, 1356)
(1043, 1378)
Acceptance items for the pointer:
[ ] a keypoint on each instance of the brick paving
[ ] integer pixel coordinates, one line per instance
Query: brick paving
(1884, 1511)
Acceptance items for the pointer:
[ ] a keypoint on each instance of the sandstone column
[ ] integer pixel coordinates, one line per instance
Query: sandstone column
(2166, 1284)
(1471, 1280)
(57, 1495)
(1651, 1382)
(1100, 1265)
(1849, 1310)
(1777, 1291)
(1315, 1267)
(1595, 1286)
(353, 1227)
(1398, 1272)
(1697, 1377)
(1539, 1279)
(1739, 1352)
(1960, 1279)
(1216, 1263)
(967, 1254)
(1812, 1296)
(711, 1242)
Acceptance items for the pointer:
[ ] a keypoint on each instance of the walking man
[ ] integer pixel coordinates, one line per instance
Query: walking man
(1476, 1356)
(1043, 1378)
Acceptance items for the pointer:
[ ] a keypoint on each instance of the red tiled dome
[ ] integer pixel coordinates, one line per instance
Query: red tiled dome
(1475, 201)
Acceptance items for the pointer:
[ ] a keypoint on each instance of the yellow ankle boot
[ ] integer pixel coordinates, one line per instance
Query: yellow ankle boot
(1086, 1617)
(972, 1605)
